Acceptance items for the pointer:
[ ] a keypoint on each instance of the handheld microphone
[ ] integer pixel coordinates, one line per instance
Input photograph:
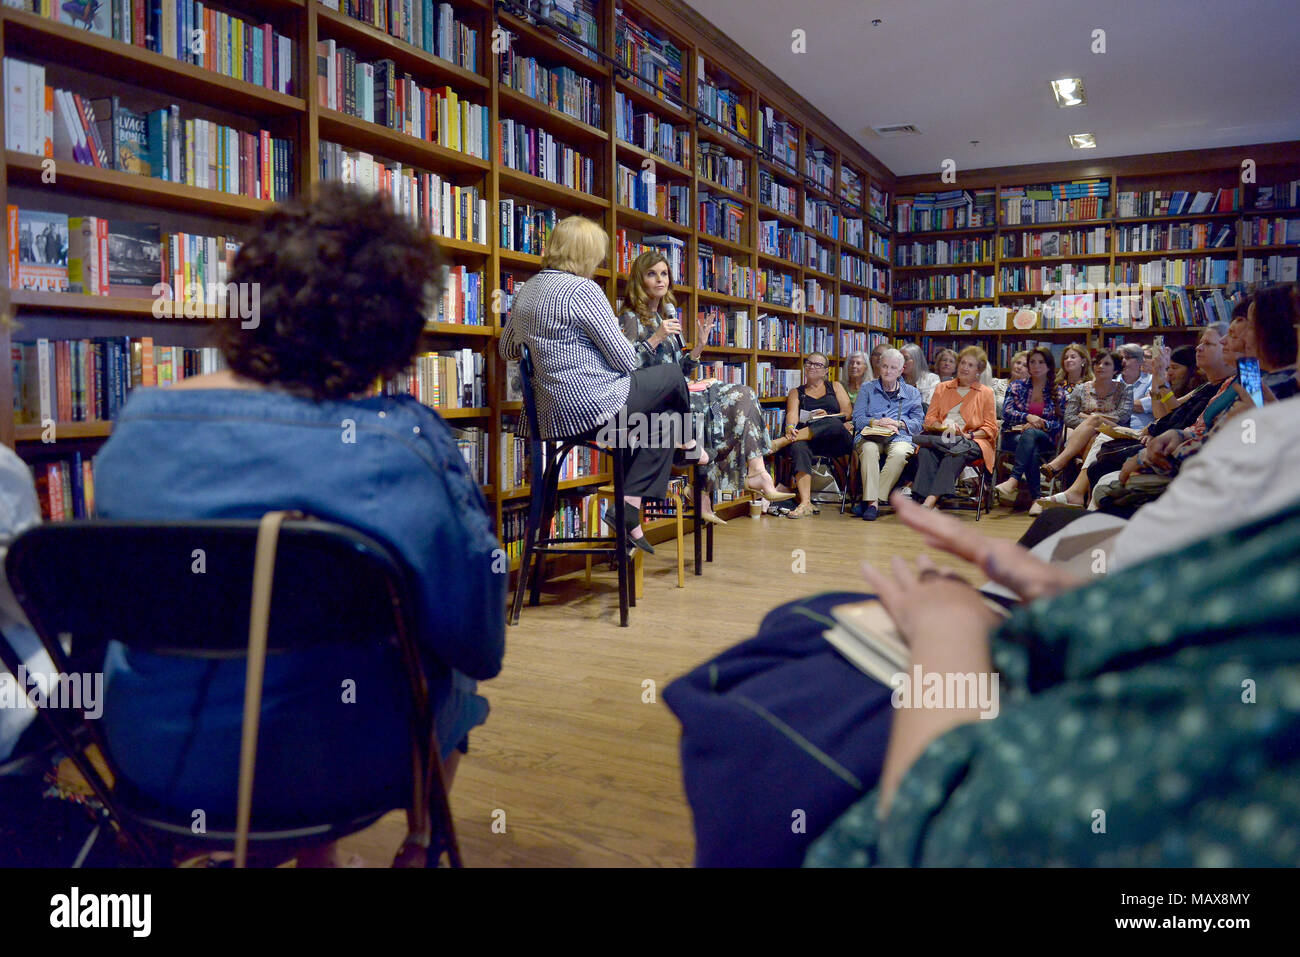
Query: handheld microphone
(670, 312)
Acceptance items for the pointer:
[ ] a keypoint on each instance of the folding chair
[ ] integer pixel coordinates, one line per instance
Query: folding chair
(89, 582)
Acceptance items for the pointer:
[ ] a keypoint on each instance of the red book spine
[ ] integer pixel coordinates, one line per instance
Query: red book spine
(264, 162)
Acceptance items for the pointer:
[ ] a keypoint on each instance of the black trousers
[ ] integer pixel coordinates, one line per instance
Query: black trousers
(939, 463)
(654, 389)
(828, 438)
(1111, 458)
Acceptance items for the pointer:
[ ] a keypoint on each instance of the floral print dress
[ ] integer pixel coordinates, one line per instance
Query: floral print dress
(734, 430)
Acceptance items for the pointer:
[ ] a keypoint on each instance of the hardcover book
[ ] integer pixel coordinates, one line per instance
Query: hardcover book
(38, 250)
(134, 259)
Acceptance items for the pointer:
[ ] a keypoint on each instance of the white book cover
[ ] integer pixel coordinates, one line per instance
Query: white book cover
(992, 318)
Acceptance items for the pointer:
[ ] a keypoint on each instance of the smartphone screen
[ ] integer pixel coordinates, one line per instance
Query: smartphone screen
(1248, 376)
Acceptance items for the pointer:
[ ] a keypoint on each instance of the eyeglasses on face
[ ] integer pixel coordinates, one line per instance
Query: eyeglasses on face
(814, 365)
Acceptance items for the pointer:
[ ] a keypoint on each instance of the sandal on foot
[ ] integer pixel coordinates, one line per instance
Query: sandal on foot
(800, 511)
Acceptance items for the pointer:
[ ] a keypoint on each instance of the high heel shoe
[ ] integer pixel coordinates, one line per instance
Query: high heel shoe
(712, 519)
(632, 520)
(759, 492)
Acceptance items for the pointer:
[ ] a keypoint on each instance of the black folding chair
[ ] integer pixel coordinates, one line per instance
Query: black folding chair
(547, 454)
(90, 582)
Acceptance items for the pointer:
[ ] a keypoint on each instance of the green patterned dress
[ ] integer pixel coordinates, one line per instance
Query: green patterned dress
(734, 427)
(1150, 719)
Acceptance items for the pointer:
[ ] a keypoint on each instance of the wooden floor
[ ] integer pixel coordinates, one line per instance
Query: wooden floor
(579, 770)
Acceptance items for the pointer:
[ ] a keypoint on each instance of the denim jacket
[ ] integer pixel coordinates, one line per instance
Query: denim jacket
(383, 465)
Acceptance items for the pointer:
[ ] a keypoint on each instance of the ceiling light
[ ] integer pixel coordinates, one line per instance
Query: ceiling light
(1069, 92)
(1083, 141)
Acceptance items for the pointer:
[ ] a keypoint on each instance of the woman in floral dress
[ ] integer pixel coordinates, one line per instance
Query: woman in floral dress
(734, 432)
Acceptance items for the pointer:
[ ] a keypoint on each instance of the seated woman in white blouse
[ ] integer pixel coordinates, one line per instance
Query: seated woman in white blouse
(916, 372)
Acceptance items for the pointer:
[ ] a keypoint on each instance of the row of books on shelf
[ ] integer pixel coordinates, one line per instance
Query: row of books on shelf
(561, 88)
(879, 207)
(967, 285)
(450, 379)
(1285, 195)
(90, 255)
(1153, 237)
(817, 298)
(721, 273)
(672, 201)
(1054, 202)
(431, 27)
(714, 163)
(731, 329)
(822, 216)
(184, 30)
(1205, 271)
(945, 252)
(574, 19)
(776, 334)
(772, 381)
(536, 152)
(851, 186)
(726, 107)
(475, 448)
(855, 232)
(1176, 202)
(525, 227)
(377, 93)
(951, 209)
(644, 129)
(819, 166)
(777, 288)
(878, 244)
(816, 338)
(88, 380)
(721, 217)
(1073, 242)
(857, 270)
(867, 311)
(515, 453)
(775, 239)
(104, 133)
(1257, 269)
(818, 256)
(733, 373)
(779, 138)
(654, 60)
(857, 340)
(65, 487)
(572, 520)
(1012, 279)
(1270, 232)
(437, 205)
(772, 192)
(673, 248)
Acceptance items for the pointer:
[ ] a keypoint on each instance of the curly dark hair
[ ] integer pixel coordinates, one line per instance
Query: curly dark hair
(344, 284)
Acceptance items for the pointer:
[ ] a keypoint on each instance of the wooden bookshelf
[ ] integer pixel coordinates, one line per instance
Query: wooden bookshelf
(307, 124)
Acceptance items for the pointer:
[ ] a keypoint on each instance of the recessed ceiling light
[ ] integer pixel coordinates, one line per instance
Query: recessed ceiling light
(1083, 141)
(1069, 92)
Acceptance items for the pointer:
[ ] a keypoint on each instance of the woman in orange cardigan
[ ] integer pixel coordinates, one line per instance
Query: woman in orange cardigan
(960, 425)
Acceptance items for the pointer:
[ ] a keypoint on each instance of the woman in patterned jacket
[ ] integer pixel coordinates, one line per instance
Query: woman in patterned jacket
(736, 436)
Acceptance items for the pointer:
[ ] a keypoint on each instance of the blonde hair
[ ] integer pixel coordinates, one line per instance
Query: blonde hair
(934, 366)
(636, 299)
(866, 367)
(1082, 351)
(576, 245)
(978, 354)
(1022, 354)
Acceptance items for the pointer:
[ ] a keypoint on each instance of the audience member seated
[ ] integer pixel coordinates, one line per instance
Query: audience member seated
(1032, 418)
(345, 285)
(1019, 370)
(960, 426)
(1135, 372)
(1076, 367)
(1090, 406)
(586, 373)
(945, 364)
(1268, 335)
(820, 407)
(916, 372)
(892, 407)
(874, 359)
(857, 370)
(19, 511)
(1208, 357)
(735, 436)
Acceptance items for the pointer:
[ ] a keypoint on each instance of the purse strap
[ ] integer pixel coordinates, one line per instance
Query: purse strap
(268, 536)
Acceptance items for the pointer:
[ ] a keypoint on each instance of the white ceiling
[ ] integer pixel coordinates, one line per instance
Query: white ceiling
(1176, 74)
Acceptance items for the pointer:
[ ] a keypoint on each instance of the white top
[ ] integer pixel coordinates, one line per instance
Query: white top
(954, 417)
(19, 511)
(925, 385)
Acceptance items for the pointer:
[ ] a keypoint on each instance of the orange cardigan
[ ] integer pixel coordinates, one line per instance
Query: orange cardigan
(977, 409)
